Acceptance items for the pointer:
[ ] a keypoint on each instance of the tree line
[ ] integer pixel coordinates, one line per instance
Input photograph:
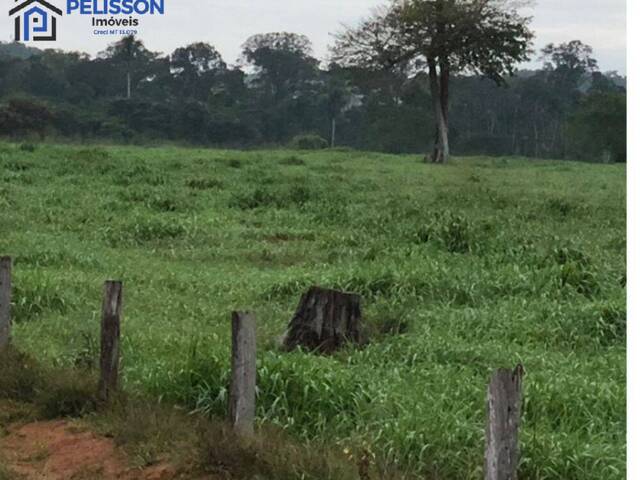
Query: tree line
(278, 92)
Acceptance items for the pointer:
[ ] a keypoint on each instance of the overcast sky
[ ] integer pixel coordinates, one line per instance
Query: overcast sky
(227, 23)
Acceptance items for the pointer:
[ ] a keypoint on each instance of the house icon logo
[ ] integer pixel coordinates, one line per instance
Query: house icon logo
(35, 20)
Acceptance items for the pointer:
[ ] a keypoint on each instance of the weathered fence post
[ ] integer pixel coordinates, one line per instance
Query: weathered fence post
(242, 395)
(5, 301)
(110, 339)
(504, 400)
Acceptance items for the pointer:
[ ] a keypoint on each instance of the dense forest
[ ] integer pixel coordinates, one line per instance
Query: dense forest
(278, 93)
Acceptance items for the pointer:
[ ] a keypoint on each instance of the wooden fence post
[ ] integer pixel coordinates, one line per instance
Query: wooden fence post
(504, 400)
(110, 339)
(242, 394)
(5, 301)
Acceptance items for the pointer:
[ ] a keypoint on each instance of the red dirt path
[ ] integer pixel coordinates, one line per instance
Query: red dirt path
(59, 450)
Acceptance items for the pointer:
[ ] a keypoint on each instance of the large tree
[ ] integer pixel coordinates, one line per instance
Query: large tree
(283, 75)
(196, 68)
(441, 37)
(282, 61)
(130, 55)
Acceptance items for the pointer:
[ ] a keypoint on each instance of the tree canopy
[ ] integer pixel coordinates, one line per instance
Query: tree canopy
(279, 90)
(441, 37)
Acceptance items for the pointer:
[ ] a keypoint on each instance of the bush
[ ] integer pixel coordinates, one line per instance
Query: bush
(309, 142)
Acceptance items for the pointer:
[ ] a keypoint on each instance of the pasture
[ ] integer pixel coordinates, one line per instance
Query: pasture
(463, 268)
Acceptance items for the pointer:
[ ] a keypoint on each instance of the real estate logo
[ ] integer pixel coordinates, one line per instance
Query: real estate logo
(35, 20)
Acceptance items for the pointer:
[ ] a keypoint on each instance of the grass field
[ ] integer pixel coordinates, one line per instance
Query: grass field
(463, 268)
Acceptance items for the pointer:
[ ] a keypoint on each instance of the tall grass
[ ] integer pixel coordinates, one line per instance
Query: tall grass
(463, 268)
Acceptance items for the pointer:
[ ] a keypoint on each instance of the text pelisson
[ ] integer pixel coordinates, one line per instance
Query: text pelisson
(115, 7)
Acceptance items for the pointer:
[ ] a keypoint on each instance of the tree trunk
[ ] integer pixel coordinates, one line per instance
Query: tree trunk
(438, 88)
(325, 321)
(445, 74)
(333, 132)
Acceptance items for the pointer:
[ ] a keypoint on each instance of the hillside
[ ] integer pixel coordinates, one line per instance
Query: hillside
(464, 268)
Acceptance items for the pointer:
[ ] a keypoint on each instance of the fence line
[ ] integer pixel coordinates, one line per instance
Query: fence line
(504, 392)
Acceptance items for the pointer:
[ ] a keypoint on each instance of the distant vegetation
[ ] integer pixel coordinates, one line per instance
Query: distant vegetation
(278, 91)
(463, 268)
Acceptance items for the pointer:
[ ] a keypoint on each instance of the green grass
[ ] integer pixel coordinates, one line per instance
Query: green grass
(463, 268)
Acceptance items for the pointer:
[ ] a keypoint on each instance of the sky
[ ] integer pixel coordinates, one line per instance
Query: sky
(227, 23)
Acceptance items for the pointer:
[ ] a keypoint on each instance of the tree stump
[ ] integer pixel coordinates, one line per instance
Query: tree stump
(325, 320)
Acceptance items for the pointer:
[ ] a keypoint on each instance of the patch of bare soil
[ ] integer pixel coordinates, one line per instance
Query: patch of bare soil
(62, 450)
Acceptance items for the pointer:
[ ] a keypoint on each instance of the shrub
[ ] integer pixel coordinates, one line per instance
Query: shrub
(309, 142)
